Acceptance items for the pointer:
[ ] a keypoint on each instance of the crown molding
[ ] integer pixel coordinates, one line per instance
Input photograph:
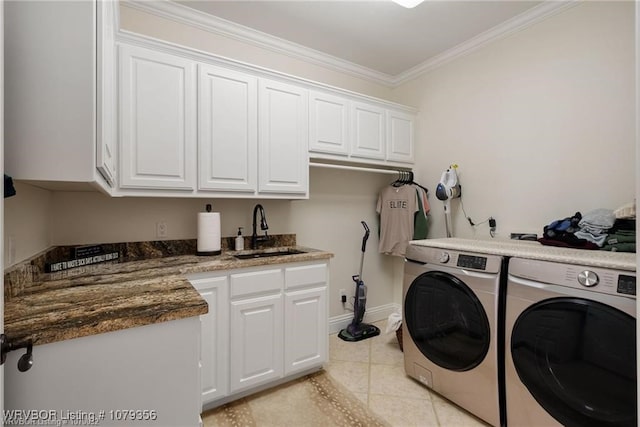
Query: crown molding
(182, 14)
(516, 24)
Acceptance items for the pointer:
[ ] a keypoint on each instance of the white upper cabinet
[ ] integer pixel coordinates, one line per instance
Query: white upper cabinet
(283, 162)
(368, 131)
(328, 124)
(157, 120)
(346, 128)
(400, 141)
(227, 130)
(58, 100)
(135, 116)
(107, 138)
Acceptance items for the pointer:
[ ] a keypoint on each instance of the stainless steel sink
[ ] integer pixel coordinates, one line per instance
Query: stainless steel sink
(268, 253)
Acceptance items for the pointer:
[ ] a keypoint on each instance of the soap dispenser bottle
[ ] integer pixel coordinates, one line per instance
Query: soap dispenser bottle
(239, 240)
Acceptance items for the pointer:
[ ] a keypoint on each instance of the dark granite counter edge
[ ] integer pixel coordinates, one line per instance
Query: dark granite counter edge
(172, 298)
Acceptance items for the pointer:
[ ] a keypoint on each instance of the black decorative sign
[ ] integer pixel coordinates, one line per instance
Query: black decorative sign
(80, 262)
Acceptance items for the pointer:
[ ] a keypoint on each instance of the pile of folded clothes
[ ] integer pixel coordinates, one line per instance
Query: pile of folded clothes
(598, 229)
(622, 236)
(562, 232)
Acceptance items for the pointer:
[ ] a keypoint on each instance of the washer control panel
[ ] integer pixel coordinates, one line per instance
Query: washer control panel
(588, 278)
(626, 284)
(596, 279)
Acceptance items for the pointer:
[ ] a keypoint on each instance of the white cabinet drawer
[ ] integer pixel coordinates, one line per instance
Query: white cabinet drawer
(256, 282)
(305, 275)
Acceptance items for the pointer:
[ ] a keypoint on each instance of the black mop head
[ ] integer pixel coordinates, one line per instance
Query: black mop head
(359, 332)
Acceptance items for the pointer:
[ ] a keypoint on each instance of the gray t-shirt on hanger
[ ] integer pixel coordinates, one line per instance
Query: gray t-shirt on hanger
(397, 207)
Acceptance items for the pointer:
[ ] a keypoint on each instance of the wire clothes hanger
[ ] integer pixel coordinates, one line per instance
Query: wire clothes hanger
(406, 177)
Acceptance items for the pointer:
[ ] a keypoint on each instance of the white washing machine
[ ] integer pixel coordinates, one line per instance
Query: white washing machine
(570, 347)
(451, 318)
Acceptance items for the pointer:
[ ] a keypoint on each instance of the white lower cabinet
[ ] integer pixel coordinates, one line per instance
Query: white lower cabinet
(256, 341)
(305, 316)
(305, 325)
(264, 324)
(214, 361)
(142, 376)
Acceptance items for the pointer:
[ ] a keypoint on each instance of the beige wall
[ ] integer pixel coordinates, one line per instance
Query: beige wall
(541, 123)
(27, 223)
(330, 219)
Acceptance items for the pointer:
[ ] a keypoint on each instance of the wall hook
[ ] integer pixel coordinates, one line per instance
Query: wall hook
(26, 360)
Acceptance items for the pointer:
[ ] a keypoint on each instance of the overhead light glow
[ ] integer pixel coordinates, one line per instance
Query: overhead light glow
(408, 3)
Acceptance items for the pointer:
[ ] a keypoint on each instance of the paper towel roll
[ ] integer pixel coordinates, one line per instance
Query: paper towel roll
(208, 233)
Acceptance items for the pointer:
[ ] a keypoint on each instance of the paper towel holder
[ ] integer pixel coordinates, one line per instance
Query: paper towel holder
(208, 222)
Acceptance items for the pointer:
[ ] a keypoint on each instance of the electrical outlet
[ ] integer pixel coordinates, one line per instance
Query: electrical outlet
(343, 296)
(161, 229)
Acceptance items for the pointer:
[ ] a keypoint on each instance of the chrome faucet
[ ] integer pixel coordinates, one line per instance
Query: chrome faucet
(255, 239)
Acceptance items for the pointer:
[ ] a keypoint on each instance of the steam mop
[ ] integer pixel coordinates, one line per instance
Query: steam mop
(357, 330)
(448, 188)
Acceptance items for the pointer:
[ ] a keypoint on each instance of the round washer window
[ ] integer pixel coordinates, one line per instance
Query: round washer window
(446, 321)
(577, 358)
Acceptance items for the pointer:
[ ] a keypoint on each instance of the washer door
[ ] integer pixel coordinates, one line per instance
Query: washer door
(577, 358)
(446, 321)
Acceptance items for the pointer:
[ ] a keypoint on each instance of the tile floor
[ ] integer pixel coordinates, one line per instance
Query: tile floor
(373, 370)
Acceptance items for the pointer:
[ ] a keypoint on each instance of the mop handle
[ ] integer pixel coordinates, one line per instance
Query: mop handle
(364, 246)
(366, 236)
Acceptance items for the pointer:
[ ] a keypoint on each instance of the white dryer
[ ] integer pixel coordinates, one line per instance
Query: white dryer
(451, 337)
(570, 347)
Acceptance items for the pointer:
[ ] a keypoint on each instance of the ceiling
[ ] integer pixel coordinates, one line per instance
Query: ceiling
(376, 37)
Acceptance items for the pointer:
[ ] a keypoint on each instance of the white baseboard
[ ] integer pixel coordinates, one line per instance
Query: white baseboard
(374, 314)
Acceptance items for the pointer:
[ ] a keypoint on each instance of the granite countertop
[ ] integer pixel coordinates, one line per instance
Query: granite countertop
(51, 307)
(536, 250)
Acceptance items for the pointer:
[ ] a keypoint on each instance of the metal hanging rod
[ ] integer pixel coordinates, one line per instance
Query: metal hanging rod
(358, 168)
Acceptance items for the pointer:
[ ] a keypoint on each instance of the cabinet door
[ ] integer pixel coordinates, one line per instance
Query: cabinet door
(283, 162)
(400, 136)
(328, 124)
(256, 341)
(49, 90)
(158, 120)
(368, 134)
(227, 130)
(152, 368)
(305, 322)
(214, 342)
(106, 138)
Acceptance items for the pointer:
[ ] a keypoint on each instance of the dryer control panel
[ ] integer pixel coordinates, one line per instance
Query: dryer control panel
(472, 261)
(454, 259)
